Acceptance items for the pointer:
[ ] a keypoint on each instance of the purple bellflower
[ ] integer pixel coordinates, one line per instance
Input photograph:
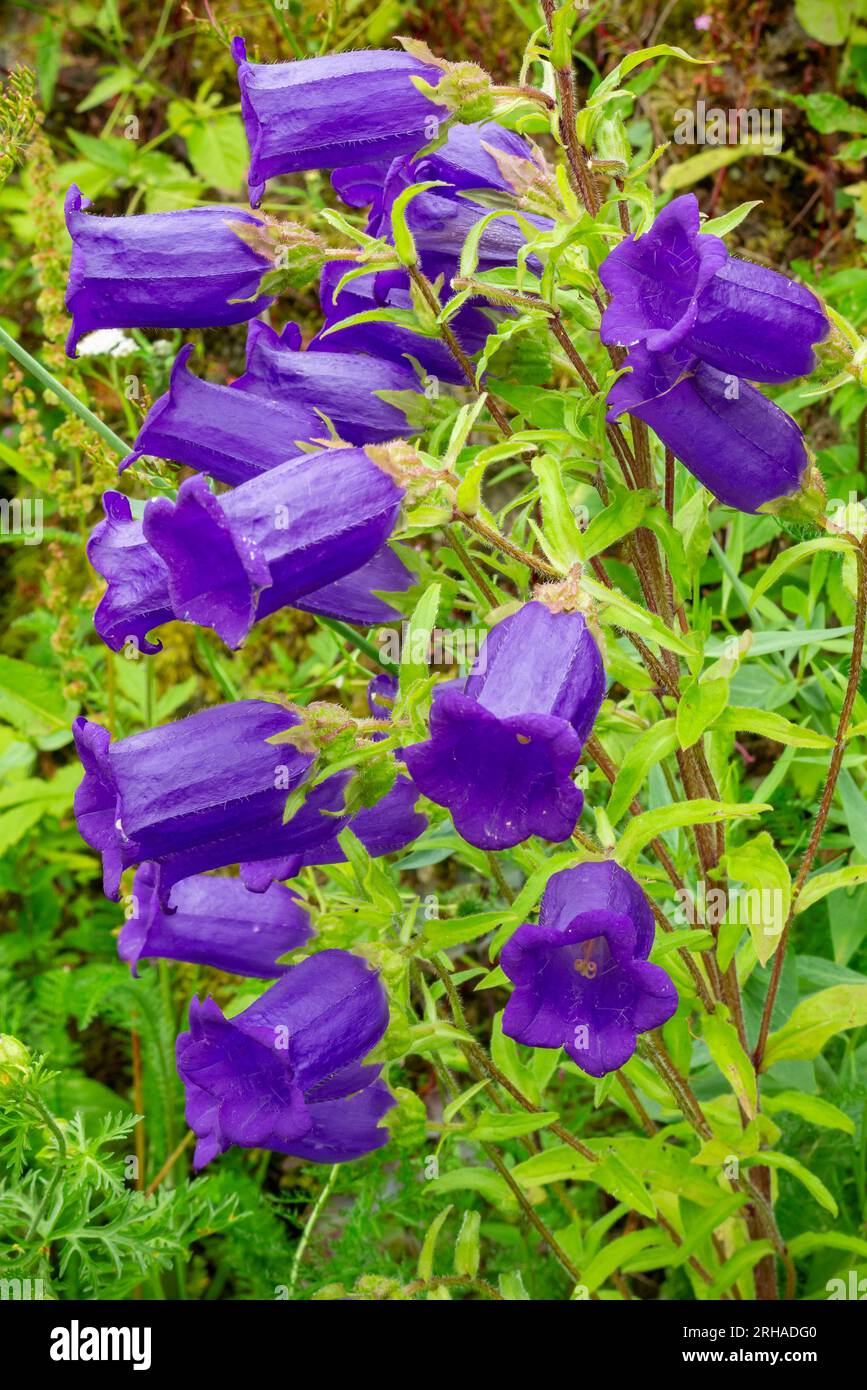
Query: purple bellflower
(440, 219)
(676, 286)
(393, 341)
(343, 386)
(287, 1073)
(231, 560)
(332, 111)
(182, 269)
(230, 435)
(138, 598)
(582, 978)
(739, 445)
(213, 921)
(504, 741)
(209, 791)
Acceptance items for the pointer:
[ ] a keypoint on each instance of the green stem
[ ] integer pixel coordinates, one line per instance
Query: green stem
(361, 643)
(310, 1225)
(65, 396)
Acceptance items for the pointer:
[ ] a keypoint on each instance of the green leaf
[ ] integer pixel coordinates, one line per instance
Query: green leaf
(218, 151)
(623, 1182)
(427, 1254)
(760, 866)
(32, 702)
(827, 20)
(744, 719)
(413, 660)
(561, 536)
(724, 1047)
(482, 1180)
(699, 166)
(442, 935)
(741, 1262)
(644, 828)
(792, 557)
(615, 521)
(615, 1253)
(467, 1247)
(821, 885)
(492, 1127)
(701, 703)
(771, 1159)
(650, 748)
(404, 244)
(812, 1108)
(814, 1021)
(720, 226)
(512, 1287)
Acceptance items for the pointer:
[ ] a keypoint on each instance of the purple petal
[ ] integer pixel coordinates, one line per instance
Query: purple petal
(332, 111)
(137, 597)
(656, 280)
(739, 445)
(353, 599)
(215, 922)
(180, 269)
(342, 385)
(757, 324)
(230, 435)
(333, 1009)
(539, 662)
(238, 1091)
(290, 532)
(502, 779)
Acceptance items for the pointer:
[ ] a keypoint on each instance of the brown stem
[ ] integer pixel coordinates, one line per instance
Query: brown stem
(827, 798)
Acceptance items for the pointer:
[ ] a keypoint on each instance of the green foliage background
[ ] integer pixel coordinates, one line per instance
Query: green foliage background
(138, 104)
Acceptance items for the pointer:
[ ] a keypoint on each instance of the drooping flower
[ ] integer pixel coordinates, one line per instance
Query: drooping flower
(582, 978)
(185, 269)
(208, 792)
(230, 435)
(343, 386)
(394, 341)
(332, 111)
(138, 598)
(287, 1073)
(440, 219)
(504, 741)
(233, 559)
(213, 921)
(677, 287)
(739, 445)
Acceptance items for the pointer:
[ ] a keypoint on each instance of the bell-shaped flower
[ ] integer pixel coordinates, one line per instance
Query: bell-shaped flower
(739, 445)
(397, 340)
(505, 740)
(331, 111)
(232, 436)
(231, 560)
(185, 269)
(678, 287)
(288, 1073)
(442, 218)
(582, 978)
(345, 386)
(209, 792)
(138, 598)
(211, 921)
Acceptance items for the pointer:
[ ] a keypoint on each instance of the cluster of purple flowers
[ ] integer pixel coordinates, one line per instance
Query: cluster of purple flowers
(701, 326)
(305, 520)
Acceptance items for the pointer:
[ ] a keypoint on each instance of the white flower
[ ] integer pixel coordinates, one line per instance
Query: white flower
(112, 341)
